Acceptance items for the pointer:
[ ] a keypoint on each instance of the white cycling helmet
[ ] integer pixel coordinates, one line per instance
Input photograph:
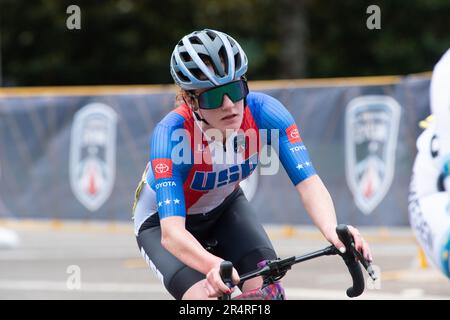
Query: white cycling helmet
(200, 49)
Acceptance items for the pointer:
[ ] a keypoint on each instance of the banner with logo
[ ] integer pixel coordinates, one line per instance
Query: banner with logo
(81, 155)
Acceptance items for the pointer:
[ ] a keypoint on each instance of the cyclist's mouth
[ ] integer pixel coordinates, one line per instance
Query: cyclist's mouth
(229, 117)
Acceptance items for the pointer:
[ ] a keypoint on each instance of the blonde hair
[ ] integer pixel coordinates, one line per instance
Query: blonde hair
(183, 97)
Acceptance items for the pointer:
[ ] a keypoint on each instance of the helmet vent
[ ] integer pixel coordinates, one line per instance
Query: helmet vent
(211, 35)
(198, 73)
(224, 58)
(195, 40)
(185, 56)
(182, 76)
(208, 61)
(237, 60)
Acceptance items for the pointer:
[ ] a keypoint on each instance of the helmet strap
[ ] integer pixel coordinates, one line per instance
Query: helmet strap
(244, 77)
(200, 118)
(195, 107)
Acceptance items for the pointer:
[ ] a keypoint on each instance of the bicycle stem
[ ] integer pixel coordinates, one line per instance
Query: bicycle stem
(281, 266)
(328, 251)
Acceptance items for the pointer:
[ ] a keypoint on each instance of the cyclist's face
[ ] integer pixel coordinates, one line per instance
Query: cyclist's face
(228, 116)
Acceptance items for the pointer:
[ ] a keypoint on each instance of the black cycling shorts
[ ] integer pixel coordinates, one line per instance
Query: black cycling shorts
(240, 238)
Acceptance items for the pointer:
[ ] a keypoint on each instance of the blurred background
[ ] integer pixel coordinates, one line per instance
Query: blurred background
(65, 212)
(130, 42)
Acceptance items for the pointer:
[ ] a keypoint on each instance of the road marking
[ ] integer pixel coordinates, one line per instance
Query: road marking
(292, 293)
(276, 232)
(135, 264)
(26, 285)
(414, 275)
(297, 293)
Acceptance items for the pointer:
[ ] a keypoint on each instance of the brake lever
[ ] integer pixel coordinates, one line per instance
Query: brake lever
(366, 264)
(348, 238)
(226, 269)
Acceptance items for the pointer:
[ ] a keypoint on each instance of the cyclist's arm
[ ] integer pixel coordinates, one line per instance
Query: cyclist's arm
(319, 206)
(183, 245)
(166, 178)
(270, 113)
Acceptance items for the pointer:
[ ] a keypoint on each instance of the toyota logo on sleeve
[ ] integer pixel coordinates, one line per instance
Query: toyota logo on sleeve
(293, 134)
(162, 168)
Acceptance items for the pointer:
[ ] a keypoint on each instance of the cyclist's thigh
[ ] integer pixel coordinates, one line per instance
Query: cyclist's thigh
(241, 237)
(176, 276)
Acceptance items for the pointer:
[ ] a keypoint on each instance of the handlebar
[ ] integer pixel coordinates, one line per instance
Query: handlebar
(350, 261)
(273, 270)
(226, 269)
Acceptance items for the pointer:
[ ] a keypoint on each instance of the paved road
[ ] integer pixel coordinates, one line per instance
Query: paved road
(52, 256)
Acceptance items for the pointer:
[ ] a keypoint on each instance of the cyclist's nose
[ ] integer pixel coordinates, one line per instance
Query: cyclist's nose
(227, 103)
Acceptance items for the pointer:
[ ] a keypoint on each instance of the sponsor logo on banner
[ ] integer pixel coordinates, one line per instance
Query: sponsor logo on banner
(372, 124)
(162, 168)
(293, 134)
(93, 154)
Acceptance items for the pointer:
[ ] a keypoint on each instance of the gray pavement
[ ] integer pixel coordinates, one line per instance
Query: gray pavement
(75, 260)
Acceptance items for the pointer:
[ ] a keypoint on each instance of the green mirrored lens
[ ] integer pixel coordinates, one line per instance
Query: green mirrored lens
(210, 99)
(213, 98)
(236, 92)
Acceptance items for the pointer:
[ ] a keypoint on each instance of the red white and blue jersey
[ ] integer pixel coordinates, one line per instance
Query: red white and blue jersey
(185, 174)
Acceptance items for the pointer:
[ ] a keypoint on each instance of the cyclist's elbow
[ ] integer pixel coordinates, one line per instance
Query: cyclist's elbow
(166, 237)
(171, 228)
(168, 240)
(165, 241)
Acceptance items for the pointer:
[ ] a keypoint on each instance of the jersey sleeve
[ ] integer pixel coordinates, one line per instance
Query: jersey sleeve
(166, 176)
(269, 113)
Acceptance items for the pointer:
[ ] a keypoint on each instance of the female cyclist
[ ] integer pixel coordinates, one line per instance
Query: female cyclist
(190, 195)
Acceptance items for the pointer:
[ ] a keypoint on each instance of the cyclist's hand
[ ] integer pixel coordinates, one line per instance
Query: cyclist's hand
(214, 285)
(360, 244)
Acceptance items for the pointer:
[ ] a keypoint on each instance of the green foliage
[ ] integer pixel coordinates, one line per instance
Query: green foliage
(130, 42)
